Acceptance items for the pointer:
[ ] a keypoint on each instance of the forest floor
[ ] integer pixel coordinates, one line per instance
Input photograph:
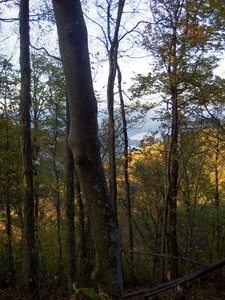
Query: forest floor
(207, 292)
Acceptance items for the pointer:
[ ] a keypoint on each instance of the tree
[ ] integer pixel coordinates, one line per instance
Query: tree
(27, 177)
(113, 56)
(180, 40)
(9, 185)
(9, 158)
(114, 31)
(83, 140)
(70, 212)
(126, 165)
(147, 169)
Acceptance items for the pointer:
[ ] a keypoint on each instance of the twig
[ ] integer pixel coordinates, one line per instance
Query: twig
(169, 257)
(45, 50)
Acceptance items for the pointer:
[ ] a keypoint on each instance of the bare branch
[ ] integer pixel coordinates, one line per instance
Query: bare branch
(8, 20)
(170, 257)
(45, 50)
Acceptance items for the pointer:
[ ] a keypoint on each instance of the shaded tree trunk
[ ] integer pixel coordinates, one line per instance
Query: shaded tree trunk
(58, 205)
(164, 220)
(215, 241)
(83, 139)
(35, 152)
(173, 164)
(171, 198)
(84, 235)
(70, 214)
(217, 199)
(27, 177)
(125, 167)
(111, 126)
(112, 55)
(70, 222)
(163, 244)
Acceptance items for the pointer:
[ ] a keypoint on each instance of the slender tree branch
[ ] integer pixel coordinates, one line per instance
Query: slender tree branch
(169, 257)
(45, 50)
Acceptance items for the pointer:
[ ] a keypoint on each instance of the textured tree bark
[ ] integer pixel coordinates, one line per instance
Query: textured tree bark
(27, 176)
(217, 197)
(84, 143)
(111, 129)
(70, 214)
(84, 237)
(173, 160)
(171, 199)
(125, 167)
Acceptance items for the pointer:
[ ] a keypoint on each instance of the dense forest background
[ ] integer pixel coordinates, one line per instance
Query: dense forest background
(156, 62)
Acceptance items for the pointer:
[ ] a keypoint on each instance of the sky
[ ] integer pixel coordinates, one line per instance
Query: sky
(134, 60)
(9, 44)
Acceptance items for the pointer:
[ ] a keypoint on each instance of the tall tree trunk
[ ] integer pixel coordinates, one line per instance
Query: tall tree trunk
(217, 198)
(57, 190)
(164, 216)
(215, 243)
(58, 216)
(70, 214)
(27, 177)
(164, 233)
(125, 167)
(112, 55)
(85, 273)
(171, 198)
(84, 143)
(35, 152)
(173, 164)
(111, 126)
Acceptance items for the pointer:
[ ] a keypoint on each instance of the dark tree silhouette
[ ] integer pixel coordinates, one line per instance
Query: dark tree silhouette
(84, 143)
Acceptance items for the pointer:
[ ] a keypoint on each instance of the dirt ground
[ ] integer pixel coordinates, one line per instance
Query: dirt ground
(207, 292)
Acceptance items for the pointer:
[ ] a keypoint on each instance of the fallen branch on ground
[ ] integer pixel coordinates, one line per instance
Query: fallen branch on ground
(171, 284)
